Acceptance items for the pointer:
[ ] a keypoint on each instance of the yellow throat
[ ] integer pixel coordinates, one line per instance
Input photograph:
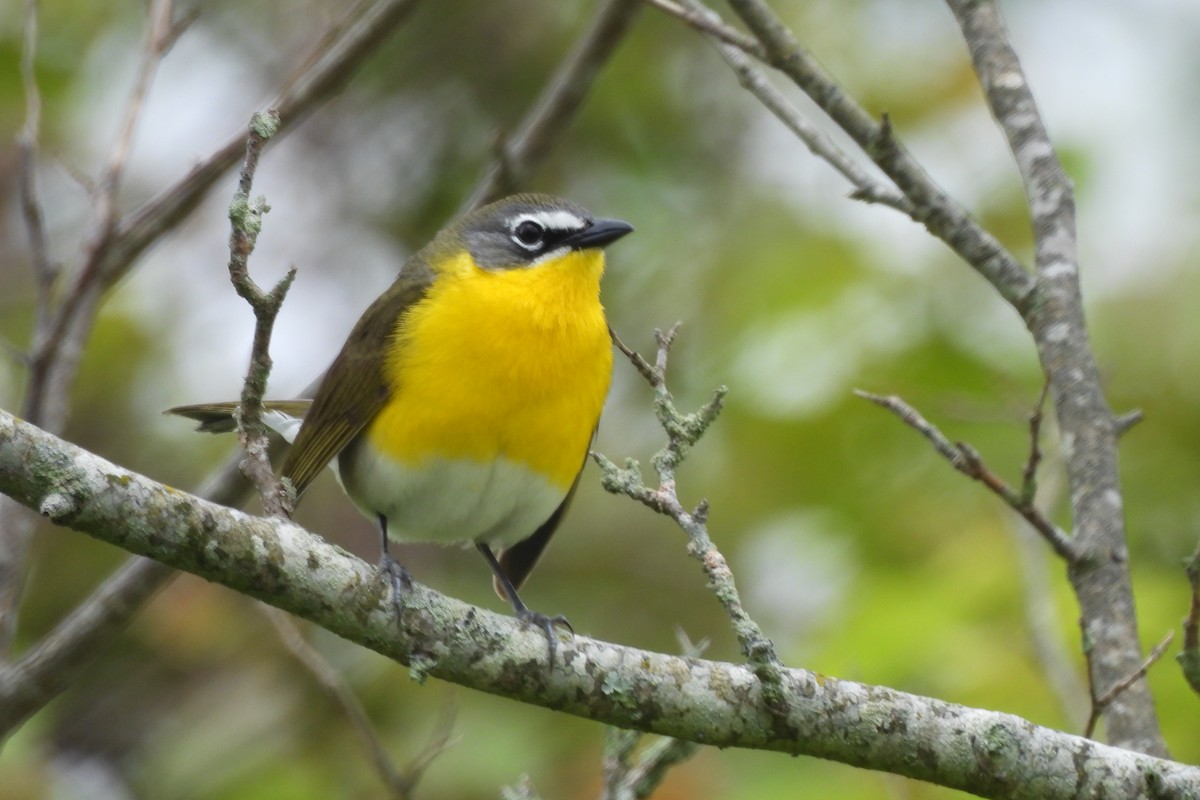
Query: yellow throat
(507, 365)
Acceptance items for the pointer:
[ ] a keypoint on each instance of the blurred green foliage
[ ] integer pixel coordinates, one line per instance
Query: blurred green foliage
(863, 553)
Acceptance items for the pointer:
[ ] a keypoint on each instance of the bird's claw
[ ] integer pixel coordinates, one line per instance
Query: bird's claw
(546, 625)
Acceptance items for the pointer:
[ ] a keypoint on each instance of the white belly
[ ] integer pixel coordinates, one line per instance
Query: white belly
(447, 502)
(453, 502)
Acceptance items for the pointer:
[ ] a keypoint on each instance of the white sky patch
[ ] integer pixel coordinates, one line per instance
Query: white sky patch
(798, 364)
(797, 569)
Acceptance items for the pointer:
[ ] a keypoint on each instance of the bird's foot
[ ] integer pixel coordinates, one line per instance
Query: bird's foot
(546, 625)
(397, 577)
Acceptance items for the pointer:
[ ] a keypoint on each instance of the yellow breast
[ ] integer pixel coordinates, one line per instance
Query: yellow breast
(506, 365)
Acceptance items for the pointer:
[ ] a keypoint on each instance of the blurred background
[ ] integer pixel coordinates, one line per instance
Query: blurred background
(860, 551)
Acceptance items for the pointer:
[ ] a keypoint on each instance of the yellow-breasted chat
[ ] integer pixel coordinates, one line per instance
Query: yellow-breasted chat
(461, 408)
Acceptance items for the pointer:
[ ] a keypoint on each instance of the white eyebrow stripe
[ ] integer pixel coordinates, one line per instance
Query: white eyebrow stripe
(554, 220)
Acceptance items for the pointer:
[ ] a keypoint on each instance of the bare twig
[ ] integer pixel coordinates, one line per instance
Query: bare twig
(1189, 656)
(16, 523)
(399, 783)
(943, 216)
(59, 333)
(44, 270)
(1100, 704)
(56, 353)
(1029, 475)
(245, 216)
(1058, 662)
(556, 105)
(751, 78)
(49, 666)
(1127, 420)
(1101, 582)
(327, 71)
(627, 777)
(708, 22)
(644, 369)
(683, 431)
(967, 460)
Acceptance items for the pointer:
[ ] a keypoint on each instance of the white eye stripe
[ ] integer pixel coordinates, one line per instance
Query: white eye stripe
(553, 220)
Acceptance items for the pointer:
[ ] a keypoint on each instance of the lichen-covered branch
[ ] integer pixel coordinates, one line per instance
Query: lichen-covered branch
(987, 753)
(1089, 430)
(683, 432)
(245, 216)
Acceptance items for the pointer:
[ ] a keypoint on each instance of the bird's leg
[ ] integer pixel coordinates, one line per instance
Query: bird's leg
(544, 623)
(393, 571)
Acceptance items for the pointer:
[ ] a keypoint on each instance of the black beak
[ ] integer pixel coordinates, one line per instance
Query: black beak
(600, 233)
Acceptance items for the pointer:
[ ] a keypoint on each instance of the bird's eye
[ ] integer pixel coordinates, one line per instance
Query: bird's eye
(529, 234)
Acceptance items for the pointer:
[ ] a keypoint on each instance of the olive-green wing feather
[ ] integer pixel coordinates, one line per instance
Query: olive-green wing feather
(356, 386)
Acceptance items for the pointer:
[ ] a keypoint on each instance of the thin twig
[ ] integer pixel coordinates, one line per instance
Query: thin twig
(16, 523)
(1057, 661)
(331, 681)
(967, 460)
(683, 431)
(327, 73)
(557, 104)
(644, 369)
(49, 666)
(1127, 420)
(245, 216)
(56, 356)
(627, 777)
(818, 142)
(1029, 475)
(1100, 704)
(44, 270)
(1189, 656)
(708, 22)
(941, 214)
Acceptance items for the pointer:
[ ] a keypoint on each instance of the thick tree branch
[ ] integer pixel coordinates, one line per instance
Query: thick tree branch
(1100, 576)
(984, 752)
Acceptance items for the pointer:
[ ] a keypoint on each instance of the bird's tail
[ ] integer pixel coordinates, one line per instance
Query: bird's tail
(282, 416)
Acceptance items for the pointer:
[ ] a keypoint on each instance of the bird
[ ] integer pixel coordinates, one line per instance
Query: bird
(462, 406)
